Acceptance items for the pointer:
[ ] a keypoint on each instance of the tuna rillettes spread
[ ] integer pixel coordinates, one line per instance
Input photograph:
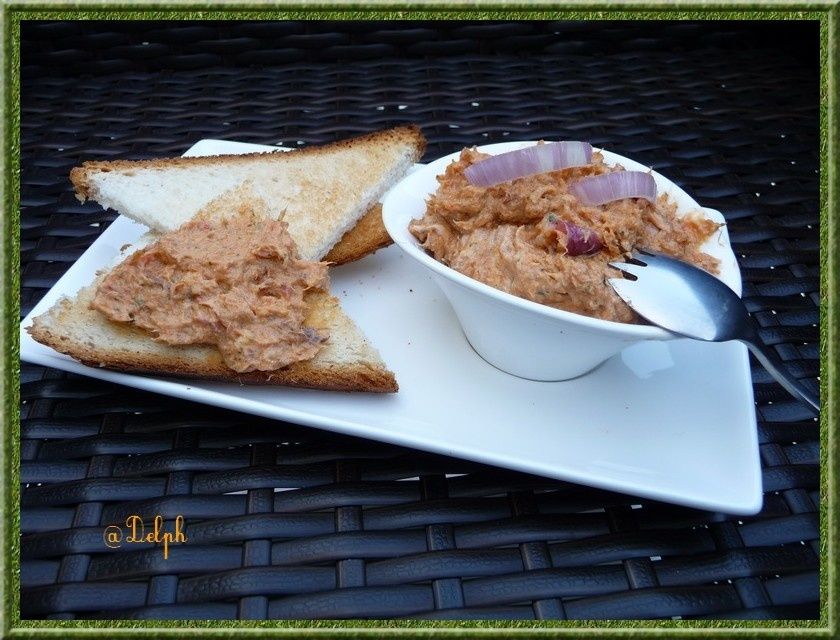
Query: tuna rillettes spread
(513, 236)
(236, 283)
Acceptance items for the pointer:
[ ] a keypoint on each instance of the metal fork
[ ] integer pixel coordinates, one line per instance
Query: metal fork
(688, 301)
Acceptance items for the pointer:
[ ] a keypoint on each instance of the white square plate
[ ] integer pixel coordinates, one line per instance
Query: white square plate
(672, 421)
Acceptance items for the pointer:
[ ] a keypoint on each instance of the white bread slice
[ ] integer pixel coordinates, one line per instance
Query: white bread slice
(323, 190)
(347, 362)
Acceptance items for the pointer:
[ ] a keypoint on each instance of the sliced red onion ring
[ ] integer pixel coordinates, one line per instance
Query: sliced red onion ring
(538, 158)
(581, 240)
(617, 185)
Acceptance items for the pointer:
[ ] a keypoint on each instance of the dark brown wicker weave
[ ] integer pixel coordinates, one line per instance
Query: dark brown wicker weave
(728, 110)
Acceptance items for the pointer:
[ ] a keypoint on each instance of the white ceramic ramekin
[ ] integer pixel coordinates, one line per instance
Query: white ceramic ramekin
(521, 337)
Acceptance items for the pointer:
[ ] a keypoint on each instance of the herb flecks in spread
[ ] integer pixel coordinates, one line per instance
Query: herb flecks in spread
(236, 283)
(533, 238)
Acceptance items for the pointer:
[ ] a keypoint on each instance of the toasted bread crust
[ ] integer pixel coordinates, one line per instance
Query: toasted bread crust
(358, 379)
(80, 176)
(367, 236)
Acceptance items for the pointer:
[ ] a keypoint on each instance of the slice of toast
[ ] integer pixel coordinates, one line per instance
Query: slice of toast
(346, 362)
(323, 191)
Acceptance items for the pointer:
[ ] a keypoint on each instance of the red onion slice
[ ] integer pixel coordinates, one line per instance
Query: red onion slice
(581, 240)
(617, 185)
(538, 158)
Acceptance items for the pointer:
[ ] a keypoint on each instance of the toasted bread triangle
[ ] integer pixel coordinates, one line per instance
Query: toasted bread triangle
(323, 190)
(346, 363)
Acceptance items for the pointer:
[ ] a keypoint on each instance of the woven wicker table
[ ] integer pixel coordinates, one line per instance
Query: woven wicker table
(728, 110)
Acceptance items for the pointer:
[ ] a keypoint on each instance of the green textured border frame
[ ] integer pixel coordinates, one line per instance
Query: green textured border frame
(11, 14)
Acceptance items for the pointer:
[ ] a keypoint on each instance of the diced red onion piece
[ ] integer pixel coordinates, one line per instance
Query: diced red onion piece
(581, 240)
(538, 158)
(617, 185)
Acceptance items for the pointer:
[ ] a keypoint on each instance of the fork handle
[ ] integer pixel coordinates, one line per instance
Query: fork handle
(777, 369)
